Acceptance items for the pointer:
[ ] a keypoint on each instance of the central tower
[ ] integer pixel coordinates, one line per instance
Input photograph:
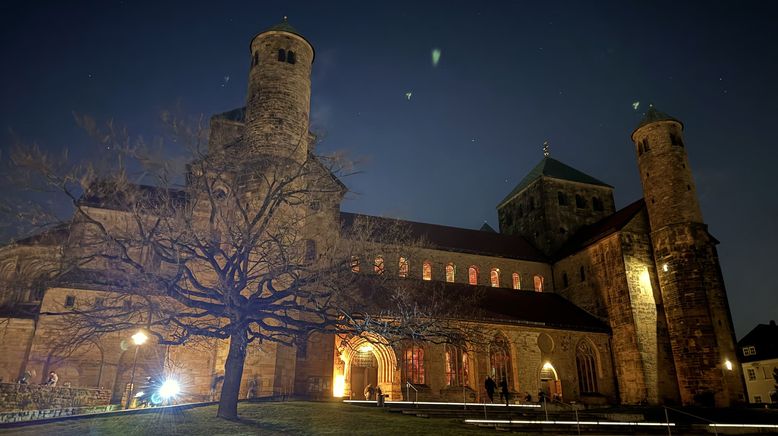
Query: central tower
(279, 93)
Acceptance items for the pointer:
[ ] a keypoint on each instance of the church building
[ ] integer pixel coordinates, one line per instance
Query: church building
(587, 302)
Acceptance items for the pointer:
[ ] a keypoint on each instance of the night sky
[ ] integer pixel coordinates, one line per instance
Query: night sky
(509, 76)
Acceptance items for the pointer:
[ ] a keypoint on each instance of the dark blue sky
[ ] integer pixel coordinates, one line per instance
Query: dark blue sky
(510, 76)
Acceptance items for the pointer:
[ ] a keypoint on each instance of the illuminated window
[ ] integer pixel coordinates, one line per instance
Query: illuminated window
(426, 270)
(757, 398)
(564, 280)
(451, 271)
(587, 369)
(472, 275)
(413, 364)
(749, 351)
(291, 57)
(378, 266)
(538, 283)
(494, 277)
(516, 281)
(354, 264)
(402, 267)
(751, 374)
(457, 366)
(281, 55)
(500, 360)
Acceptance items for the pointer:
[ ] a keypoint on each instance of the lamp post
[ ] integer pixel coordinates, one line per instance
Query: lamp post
(138, 339)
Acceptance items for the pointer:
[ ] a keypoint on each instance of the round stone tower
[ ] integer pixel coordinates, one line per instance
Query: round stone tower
(279, 93)
(699, 323)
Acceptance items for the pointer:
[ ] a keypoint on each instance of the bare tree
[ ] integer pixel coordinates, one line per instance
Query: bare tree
(248, 248)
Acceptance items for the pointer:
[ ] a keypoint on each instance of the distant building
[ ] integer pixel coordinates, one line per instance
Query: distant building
(586, 302)
(758, 354)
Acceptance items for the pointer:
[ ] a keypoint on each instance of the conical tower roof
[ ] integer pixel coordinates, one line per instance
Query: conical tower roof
(652, 115)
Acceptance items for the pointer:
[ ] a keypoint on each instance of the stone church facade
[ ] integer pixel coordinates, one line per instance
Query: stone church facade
(587, 303)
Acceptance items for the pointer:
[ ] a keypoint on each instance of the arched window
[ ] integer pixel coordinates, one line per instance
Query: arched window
(564, 280)
(354, 264)
(457, 366)
(426, 270)
(451, 272)
(538, 279)
(587, 367)
(402, 267)
(580, 202)
(500, 360)
(378, 266)
(494, 277)
(291, 57)
(516, 281)
(561, 198)
(281, 55)
(472, 275)
(413, 364)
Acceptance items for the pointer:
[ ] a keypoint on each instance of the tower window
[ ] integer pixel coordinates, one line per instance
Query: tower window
(450, 272)
(291, 57)
(562, 198)
(564, 280)
(646, 147)
(597, 204)
(495, 277)
(472, 275)
(516, 281)
(426, 270)
(676, 139)
(281, 55)
(580, 202)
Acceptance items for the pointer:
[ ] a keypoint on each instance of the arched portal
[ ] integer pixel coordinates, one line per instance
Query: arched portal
(549, 382)
(367, 359)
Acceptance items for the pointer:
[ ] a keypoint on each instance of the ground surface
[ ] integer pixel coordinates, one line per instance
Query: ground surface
(298, 418)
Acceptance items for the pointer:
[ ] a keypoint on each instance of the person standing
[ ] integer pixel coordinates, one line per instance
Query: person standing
(504, 393)
(490, 387)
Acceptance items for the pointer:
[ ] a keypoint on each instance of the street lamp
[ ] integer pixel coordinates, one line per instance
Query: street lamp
(138, 339)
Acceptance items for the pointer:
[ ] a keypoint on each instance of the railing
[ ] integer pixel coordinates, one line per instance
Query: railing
(570, 405)
(408, 386)
(667, 418)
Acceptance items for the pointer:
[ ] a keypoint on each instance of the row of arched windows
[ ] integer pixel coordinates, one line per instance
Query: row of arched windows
(283, 56)
(581, 275)
(403, 270)
(457, 365)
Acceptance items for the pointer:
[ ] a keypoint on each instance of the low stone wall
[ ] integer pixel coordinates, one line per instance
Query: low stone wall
(34, 415)
(16, 397)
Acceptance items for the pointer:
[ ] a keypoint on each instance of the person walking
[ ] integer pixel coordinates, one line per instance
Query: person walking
(53, 379)
(369, 392)
(504, 393)
(379, 396)
(490, 387)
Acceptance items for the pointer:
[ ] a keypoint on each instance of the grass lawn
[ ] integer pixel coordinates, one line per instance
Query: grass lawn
(298, 418)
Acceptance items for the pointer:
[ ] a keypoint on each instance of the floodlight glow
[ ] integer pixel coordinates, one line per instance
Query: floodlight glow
(139, 394)
(169, 389)
(547, 365)
(728, 365)
(665, 268)
(139, 338)
(365, 348)
(339, 387)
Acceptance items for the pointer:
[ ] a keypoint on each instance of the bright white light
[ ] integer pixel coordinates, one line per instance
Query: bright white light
(547, 365)
(339, 387)
(366, 348)
(665, 268)
(728, 365)
(169, 389)
(139, 338)
(139, 394)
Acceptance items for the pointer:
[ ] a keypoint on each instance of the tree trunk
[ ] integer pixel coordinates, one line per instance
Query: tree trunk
(233, 373)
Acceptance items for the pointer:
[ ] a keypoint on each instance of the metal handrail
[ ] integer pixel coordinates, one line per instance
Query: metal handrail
(570, 405)
(667, 417)
(408, 392)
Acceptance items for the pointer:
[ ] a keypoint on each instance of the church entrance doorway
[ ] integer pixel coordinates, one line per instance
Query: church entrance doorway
(549, 382)
(364, 372)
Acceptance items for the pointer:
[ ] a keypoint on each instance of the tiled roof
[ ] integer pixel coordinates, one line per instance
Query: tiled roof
(457, 239)
(592, 233)
(550, 167)
(764, 339)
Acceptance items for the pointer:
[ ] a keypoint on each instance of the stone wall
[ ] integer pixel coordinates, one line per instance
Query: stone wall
(15, 396)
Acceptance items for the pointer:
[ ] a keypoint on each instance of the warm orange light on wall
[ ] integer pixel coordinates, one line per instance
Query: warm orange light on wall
(339, 387)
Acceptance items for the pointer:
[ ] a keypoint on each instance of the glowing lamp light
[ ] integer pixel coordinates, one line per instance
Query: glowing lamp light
(365, 348)
(169, 389)
(339, 387)
(665, 268)
(139, 338)
(728, 365)
(547, 365)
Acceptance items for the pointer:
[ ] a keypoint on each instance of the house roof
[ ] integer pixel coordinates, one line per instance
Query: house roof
(764, 339)
(550, 167)
(456, 239)
(592, 233)
(487, 304)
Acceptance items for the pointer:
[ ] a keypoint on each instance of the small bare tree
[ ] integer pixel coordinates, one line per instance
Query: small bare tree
(249, 247)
